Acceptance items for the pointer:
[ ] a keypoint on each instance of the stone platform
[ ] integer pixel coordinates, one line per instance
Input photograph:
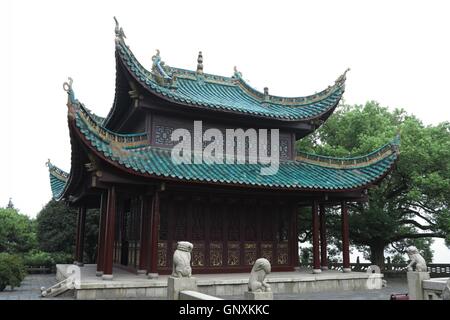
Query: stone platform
(130, 285)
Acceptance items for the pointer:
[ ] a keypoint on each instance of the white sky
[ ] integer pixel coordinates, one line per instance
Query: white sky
(398, 52)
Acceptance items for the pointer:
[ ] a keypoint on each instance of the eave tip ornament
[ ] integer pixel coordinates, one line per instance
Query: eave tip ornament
(120, 35)
(342, 77)
(67, 86)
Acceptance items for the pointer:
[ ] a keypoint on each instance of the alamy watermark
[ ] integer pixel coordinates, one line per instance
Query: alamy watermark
(236, 146)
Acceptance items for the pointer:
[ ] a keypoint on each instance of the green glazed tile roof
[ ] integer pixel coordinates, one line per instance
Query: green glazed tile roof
(58, 180)
(226, 93)
(130, 152)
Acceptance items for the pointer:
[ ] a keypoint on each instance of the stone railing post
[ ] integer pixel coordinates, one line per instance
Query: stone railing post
(415, 286)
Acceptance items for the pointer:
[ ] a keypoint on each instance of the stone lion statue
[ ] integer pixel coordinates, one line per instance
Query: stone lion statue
(182, 260)
(446, 292)
(260, 270)
(417, 260)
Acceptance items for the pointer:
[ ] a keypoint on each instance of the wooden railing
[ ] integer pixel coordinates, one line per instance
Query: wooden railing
(41, 269)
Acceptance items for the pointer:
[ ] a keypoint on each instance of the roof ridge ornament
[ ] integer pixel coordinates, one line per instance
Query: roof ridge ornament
(342, 77)
(120, 35)
(160, 70)
(200, 63)
(67, 86)
(237, 73)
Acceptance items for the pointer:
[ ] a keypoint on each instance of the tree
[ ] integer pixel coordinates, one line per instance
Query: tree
(17, 234)
(12, 270)
(10, 204)
(410, 203)
(56, 230)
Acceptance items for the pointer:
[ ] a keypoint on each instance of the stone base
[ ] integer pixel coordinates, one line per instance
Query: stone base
(98, 273)
(175, 285)
(107, 277)
(317, 270)
(324, 268)
(141, 271)
(152, 275)
(415, 289)
(129, 285)
(248, 295)
(80, 264)
(347, 270)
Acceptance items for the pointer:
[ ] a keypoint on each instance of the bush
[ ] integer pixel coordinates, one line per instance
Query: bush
(12, 270)
(36, 258)
(62, 257)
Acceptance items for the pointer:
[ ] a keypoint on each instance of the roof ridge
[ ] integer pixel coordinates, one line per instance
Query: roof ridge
(392, 147)
(54, 170)
(75, 107)
(236, 80)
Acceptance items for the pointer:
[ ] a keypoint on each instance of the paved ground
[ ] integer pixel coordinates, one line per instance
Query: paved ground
(30, 289)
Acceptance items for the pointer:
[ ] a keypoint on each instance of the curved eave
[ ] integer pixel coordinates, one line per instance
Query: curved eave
(187, 91)
(151, 162)
(58, 180)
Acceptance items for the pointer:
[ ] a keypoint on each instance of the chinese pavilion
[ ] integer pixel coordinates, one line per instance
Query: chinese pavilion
(232, 214)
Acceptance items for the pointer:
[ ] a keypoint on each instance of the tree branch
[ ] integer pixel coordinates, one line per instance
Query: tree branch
(424, 207)
(419, 215)
(415, 223)
(416, 236)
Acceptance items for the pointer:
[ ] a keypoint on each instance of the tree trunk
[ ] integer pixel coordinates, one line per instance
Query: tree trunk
(377, 255)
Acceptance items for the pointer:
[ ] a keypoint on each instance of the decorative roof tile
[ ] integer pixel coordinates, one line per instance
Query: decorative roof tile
(226, 93)
(307, 172)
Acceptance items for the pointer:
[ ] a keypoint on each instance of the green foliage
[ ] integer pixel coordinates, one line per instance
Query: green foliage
(398, 259)
(56, 231)
(91, 235)
(410, 203)
(36, 258)
(306, 256)
(16, 232)
(56, 228)
(62, 257)
(12, 270)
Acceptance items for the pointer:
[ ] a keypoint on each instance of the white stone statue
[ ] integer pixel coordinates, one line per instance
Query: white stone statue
(446, 292)
(417, 260)
(260, 270)
(182, 260)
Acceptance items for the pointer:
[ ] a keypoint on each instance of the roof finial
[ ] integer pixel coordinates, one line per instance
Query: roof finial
(159, 66)
(342, 77)
(200, 63)
(237, 73)
(48, 163)
(67, 86)
(120, 35)
(266, 91)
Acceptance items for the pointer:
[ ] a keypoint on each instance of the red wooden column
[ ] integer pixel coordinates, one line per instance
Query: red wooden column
(345, 238)
(144, 246)
(101, 234)
(315, 238)
(323, 239)
(154, 234)
(80, 236)
(294, 237)
(109, 234)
